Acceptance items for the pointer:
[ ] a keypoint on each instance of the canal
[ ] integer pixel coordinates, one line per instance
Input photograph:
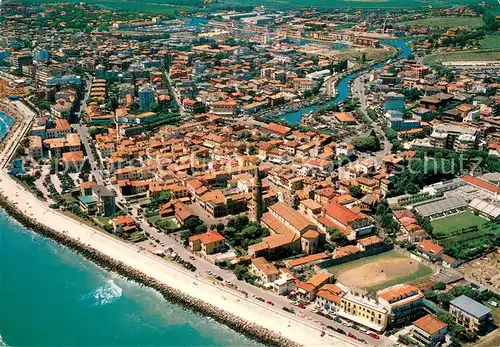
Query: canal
(343, 84)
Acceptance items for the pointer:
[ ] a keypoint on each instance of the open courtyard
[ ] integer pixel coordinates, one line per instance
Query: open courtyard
(380, 271)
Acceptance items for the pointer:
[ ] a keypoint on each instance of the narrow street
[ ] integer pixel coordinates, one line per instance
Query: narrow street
(82, 130)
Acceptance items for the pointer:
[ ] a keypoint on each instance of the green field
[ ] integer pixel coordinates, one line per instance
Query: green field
(458, 221)
(158, 6)
(380, 271)
(172, 6)
(491, 41)
(467, 55)
(448, 22)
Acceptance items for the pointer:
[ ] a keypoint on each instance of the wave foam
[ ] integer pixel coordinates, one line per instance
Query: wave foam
(107, 293)
(2, 342)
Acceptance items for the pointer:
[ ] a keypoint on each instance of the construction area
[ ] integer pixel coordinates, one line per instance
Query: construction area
(484, 270)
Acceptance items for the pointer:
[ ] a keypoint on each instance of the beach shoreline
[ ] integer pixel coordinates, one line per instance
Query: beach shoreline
(253, 319)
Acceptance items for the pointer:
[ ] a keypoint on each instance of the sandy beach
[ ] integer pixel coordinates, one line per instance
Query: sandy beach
(167, 273)
(285, 324)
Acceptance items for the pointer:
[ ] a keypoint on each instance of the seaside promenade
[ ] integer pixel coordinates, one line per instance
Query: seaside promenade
(272, 318)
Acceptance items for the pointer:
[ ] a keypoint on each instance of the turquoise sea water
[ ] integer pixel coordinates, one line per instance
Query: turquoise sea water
(5, 123)
(51, 296)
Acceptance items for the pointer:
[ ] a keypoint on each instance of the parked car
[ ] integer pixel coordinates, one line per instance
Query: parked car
(302, 306)
(219, 278)
(288, 309)
(270, 302)
(330, 327)
(192, 257)
(260, 299)
(340, 331)
(352, 336)
(362, 340)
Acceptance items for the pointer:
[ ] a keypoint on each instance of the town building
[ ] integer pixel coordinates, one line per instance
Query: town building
(207, 243)
(428, 331)
(403, 302)
(357, 306)
(470, 314)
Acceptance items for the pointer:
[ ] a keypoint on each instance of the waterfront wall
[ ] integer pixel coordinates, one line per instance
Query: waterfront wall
(251, 330)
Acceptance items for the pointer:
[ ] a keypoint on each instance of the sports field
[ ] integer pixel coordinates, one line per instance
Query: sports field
(448, 21)
(380, 271)
(457, 221)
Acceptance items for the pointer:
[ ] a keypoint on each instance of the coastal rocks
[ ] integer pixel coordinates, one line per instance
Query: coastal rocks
(251, 330)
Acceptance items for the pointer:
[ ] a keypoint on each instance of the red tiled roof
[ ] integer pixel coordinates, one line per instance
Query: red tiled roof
(208, 237)
(429, 246)
(480, 183)
(430, 324)
(341, 213)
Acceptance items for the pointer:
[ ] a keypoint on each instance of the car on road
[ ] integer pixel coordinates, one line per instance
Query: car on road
(330, 327)
(340, 331)
(270, 302)
(362, 340)
(373, 335)
(302, 306)
(288, 309)
(192, 257)
(352, 336)
(260, 299)
(219, 278)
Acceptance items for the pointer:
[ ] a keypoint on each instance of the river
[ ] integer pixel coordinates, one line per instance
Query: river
(343, 84)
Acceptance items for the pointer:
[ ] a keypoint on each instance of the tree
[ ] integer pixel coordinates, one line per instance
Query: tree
(445, 298)
(439, 286)
(356, 192)
(192, 223)
(337, 236)
(240, 271)
(200, 229)
(241, 222)
(220, 227)
(445, 317)
(431, 295)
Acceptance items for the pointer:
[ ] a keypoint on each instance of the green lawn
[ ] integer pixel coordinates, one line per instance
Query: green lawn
(158, 6)
(468, 55)
(491, 41)
(164, 223)
(458, 221)
(448, 21)
(154, 219)
(170, 7)
(422, 271)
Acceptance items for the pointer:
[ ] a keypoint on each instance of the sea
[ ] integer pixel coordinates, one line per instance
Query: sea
(52, 296)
